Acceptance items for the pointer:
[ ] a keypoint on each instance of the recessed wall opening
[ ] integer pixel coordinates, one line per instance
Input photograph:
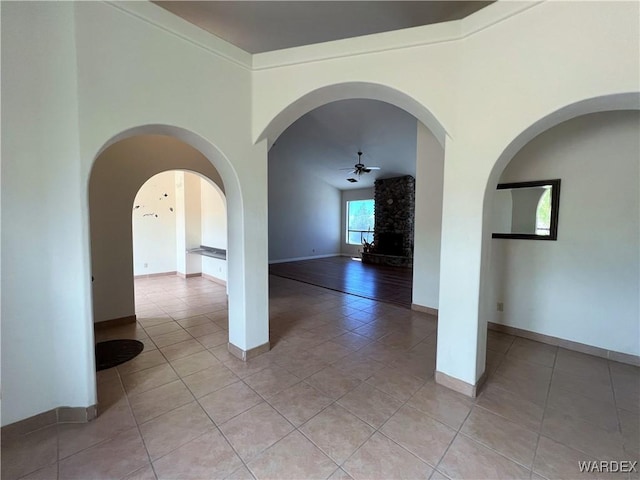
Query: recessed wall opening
(179, 224)
(158, 217)
(582, 288)
(342, 182)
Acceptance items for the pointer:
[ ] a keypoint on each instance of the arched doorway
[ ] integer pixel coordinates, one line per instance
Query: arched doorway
(179, 261)
(522, 289)
(428, 137)
(430, 170)
(179, 223)
(117, 175)
(146, 145)
(550, 147)
(179, 257)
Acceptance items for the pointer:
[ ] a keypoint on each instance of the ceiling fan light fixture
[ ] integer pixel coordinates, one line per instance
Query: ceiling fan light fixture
(359, 168)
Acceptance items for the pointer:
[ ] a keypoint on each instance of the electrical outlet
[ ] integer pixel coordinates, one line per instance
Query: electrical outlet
(500, 307)
(313, 250)
(146, 265)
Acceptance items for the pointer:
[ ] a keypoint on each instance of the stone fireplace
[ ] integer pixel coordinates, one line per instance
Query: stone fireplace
(389, 243)
(394, 222)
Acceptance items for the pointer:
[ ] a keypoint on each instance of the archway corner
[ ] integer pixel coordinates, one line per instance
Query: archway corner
(278, 123)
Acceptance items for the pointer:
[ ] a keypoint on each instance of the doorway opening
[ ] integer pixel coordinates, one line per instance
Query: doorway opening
(324, 211)
(179, 226)
(153, 283)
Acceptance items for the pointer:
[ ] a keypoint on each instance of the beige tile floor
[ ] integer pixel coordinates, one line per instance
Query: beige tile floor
(347, 391)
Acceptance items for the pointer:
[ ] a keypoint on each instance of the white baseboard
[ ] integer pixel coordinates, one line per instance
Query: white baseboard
(54, 416)
(460, 386)
(213, 279)
(189, 275)
(153, 275)
(424, 309)
(298, 259)
(627, 358)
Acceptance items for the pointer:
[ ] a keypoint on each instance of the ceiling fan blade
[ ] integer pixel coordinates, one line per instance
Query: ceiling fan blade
(359, 169)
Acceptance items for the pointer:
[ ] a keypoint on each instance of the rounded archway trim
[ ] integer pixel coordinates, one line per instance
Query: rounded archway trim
(604, 103)
(111, 188)
(219, 160)
(345, 91)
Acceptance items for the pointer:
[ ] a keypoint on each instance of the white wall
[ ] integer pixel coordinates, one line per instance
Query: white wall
(347, 196)
(428, 218)
(47, 349)
(214, 229)
(95, 72)
(304, 211)
(159, 224)
(181, 224)
(584, 286)
(189, 225)
(154, 226)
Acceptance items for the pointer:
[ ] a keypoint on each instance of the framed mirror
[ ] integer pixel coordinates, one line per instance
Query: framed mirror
(527, 210)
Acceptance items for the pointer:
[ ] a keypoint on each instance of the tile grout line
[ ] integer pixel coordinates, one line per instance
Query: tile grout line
(615, 403)
(138, 429)
(433, 467)
(474, 406)
(386, 364)
(376, 430)
(119, 377)
(575, 448)
(196, 400)
(453, 440)
(105, 440)
(175, 408)
(544, 412)
(58, 445)
(246, 464)
(335, 402)
(615, 400)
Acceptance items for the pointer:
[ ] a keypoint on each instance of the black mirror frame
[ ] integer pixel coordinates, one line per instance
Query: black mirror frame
(555, 207)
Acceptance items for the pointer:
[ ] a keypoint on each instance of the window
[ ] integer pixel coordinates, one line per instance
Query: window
(360, 216)
(543, 214)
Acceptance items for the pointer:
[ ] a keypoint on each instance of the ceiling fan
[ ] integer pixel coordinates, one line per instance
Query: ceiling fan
(359, 168)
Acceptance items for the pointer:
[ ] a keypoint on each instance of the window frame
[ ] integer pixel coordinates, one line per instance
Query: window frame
(348, 230)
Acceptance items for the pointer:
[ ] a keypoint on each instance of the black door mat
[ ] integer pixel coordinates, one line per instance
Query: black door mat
(114, 352)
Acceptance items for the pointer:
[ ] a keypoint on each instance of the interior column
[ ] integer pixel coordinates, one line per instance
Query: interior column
(462, 332)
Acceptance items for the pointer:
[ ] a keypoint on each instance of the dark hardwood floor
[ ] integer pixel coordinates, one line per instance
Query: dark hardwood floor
(378, 282)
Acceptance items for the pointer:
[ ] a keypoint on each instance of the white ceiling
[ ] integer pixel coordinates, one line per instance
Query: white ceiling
(261, 26)
(328, 138)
